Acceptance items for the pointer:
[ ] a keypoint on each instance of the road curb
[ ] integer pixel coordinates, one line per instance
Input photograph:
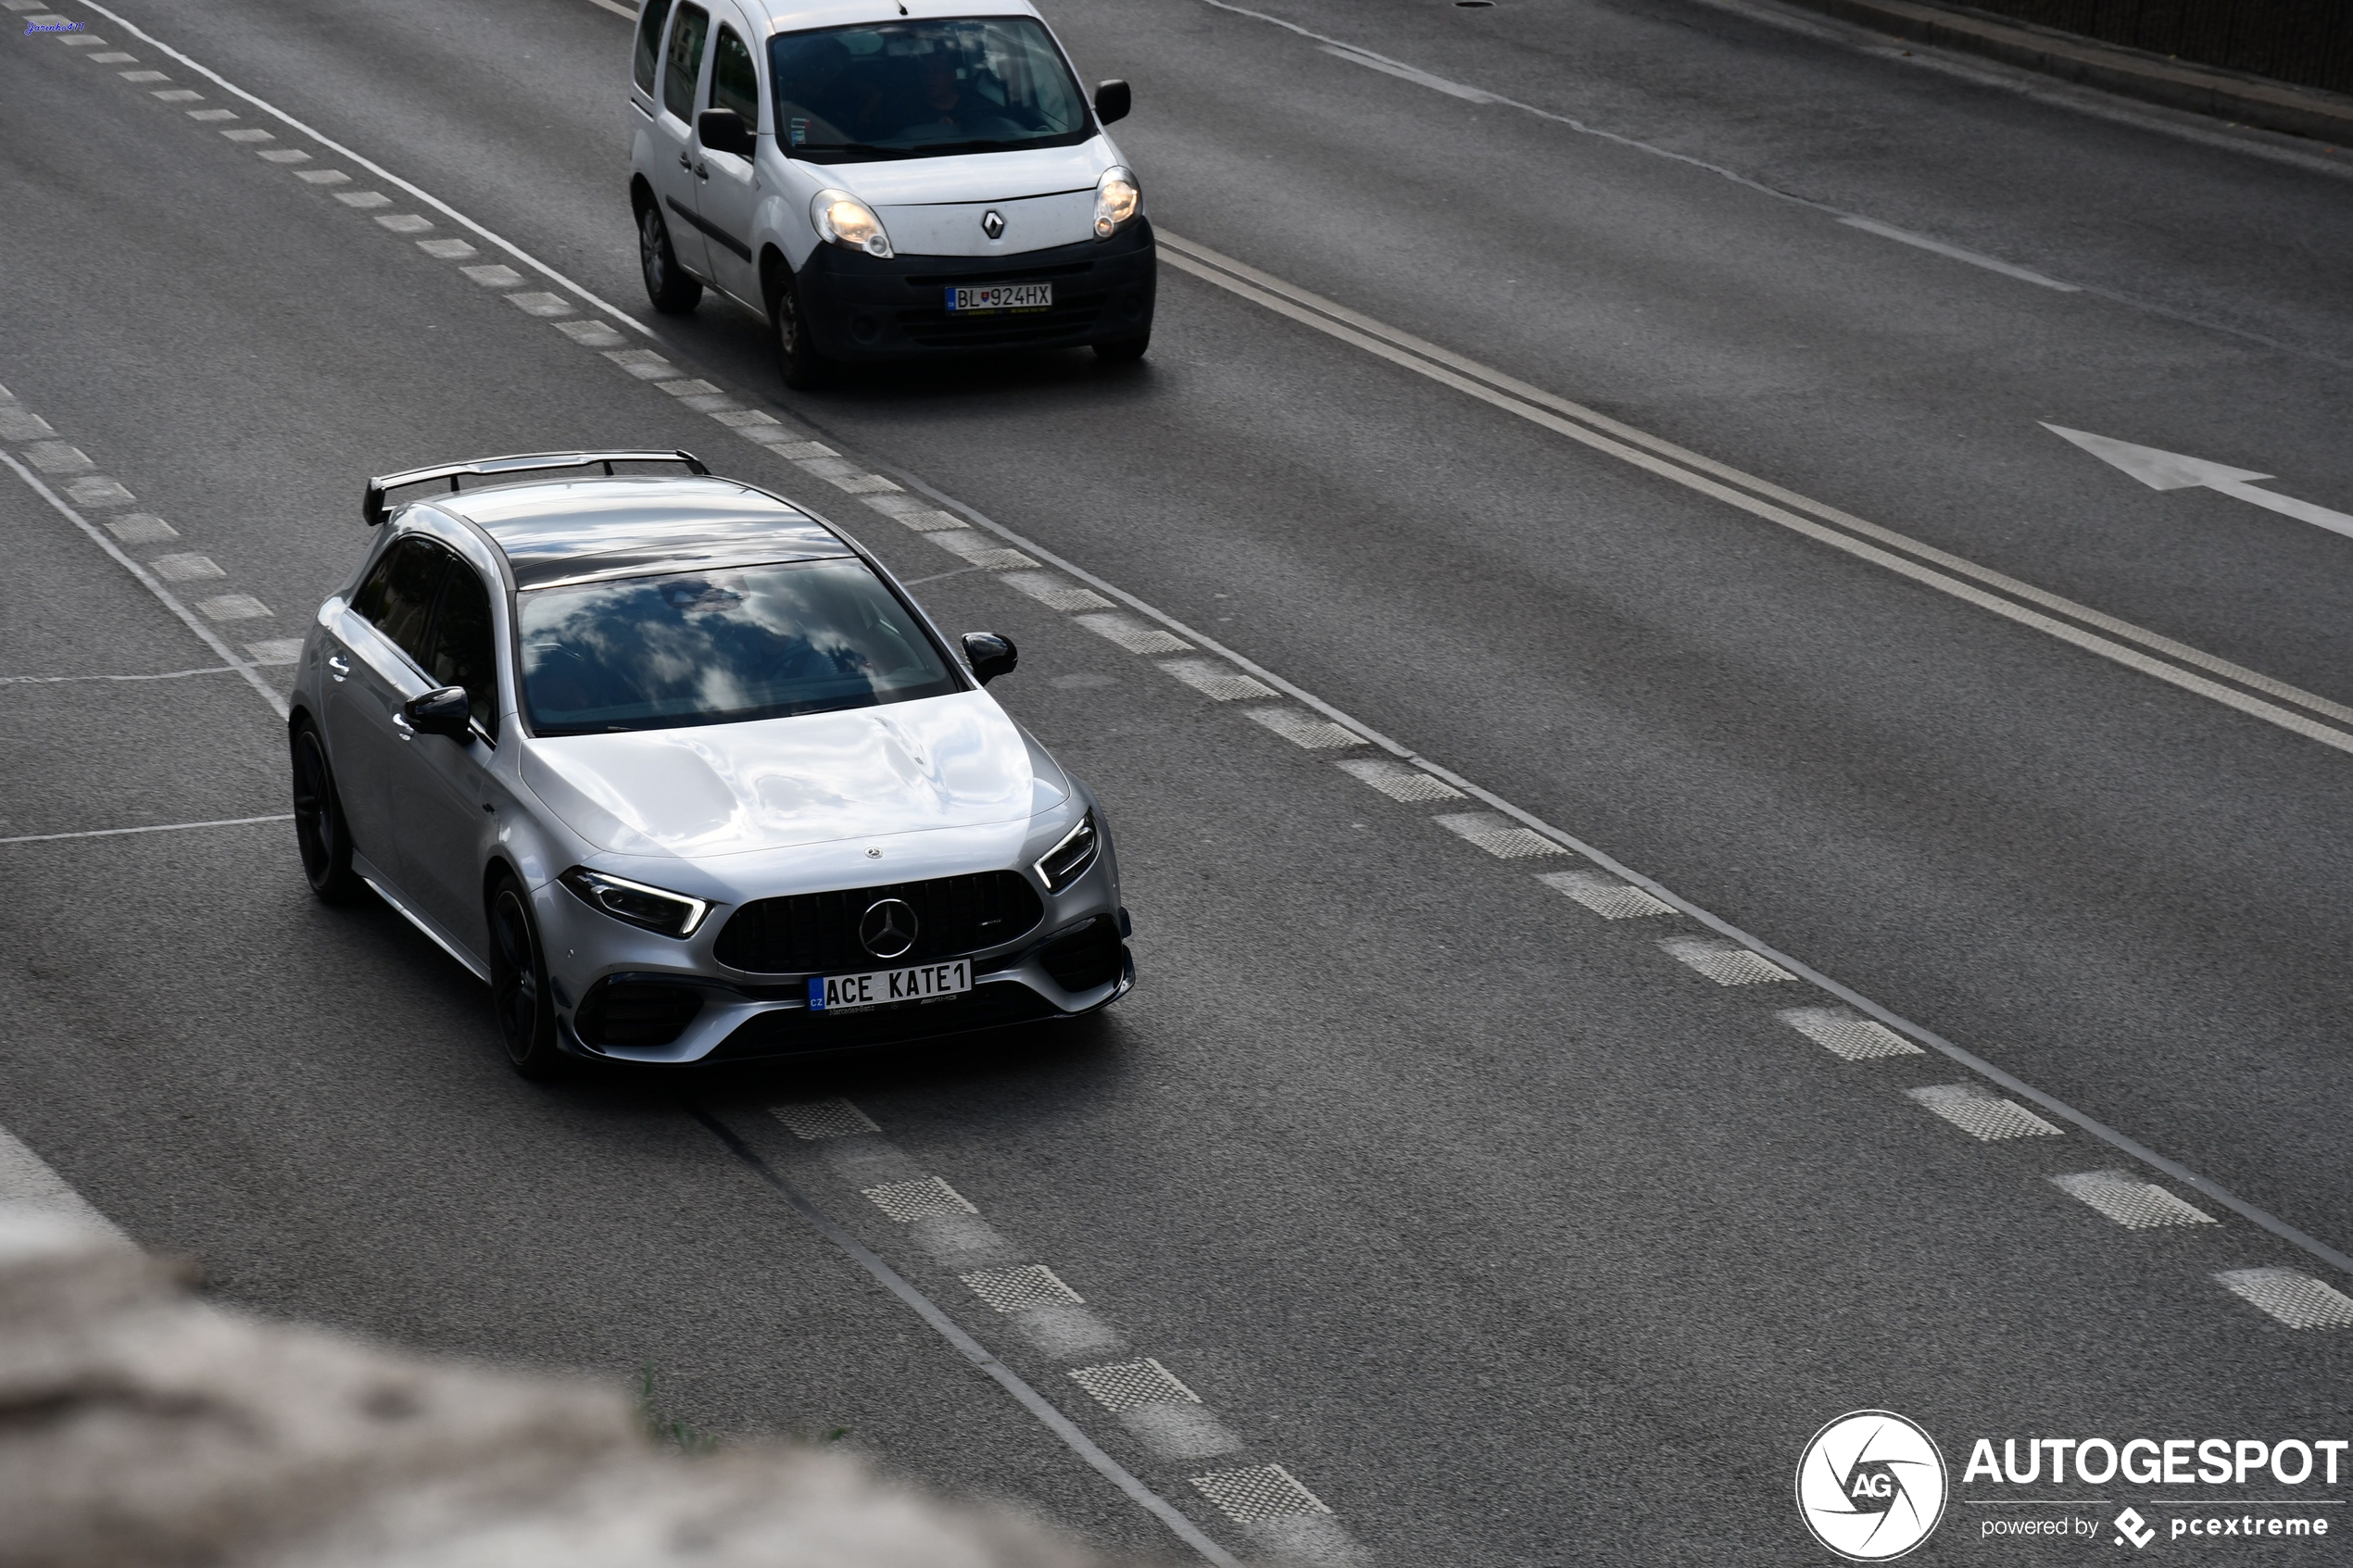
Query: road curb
(2250, 100)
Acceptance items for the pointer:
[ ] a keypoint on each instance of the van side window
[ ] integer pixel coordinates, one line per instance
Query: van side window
(733, 82)
(649, 44)
(397, 598)
(462, 649)
(683, 67)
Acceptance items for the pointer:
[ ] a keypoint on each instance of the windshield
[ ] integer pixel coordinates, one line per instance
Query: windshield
(718, 647)
(920, 89)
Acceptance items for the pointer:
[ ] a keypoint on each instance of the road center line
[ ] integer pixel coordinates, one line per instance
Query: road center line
(1715, 480)
(159, 827)
(972, 1350)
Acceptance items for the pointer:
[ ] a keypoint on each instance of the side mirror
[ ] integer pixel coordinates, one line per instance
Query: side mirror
(446, 712)
(1113, 101)
(989, 655)
(723, 130)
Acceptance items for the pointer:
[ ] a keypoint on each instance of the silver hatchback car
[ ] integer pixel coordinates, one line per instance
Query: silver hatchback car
(686, 775)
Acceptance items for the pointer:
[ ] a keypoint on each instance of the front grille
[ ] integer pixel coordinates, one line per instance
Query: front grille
(1000, 275)
(1088, 957)
(635, 1012)
(1072, 315)
(789, 1031)
(817, 933)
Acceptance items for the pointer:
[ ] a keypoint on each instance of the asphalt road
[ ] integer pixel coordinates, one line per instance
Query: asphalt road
(1513, 1239)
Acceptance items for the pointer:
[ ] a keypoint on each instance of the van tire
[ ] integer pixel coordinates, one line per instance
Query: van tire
(798, 361)
(667, 284)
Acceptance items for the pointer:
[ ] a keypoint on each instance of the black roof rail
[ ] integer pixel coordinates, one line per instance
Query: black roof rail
(371, 505)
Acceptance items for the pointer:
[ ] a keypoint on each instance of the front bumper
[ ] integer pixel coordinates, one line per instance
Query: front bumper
(860, 307)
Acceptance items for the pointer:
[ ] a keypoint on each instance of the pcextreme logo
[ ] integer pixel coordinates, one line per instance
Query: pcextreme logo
(1870, 1486)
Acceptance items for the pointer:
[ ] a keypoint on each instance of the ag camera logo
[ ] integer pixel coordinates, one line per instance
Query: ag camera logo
(1870, 1486)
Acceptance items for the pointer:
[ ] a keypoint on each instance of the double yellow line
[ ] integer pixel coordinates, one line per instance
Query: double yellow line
(2136, 647)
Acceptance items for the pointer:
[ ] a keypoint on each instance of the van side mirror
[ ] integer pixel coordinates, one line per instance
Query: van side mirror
(723, 130)
(989, 655)
(1113, 101)
(445, 711)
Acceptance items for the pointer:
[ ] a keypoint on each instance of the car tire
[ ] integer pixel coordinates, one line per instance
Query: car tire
(320, 831)
(667, 284)
(519, 997)
(798, 361)
(1124, 350)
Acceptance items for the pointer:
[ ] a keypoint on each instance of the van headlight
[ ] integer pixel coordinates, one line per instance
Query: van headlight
(843, 219)
(672, 914)
(1117, 200)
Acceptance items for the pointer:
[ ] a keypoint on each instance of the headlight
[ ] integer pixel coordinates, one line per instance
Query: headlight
(849, 222)
(1069, 858)
(672, 914)
(1117, 199)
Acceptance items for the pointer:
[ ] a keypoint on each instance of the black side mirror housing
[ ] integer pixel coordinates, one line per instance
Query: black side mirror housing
(989, 655)
(443, 711)
(723, 130)
(1113, 101)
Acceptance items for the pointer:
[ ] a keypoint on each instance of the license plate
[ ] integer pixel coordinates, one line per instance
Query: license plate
(839, 992)
(1001, 296)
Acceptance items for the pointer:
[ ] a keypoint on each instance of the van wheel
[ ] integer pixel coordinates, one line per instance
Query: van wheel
(673, 293)
(320, 831)
(802, 367)
(519, 993)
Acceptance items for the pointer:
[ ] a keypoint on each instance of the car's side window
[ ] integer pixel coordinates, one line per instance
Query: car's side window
(683, 66)
(462, 649)
(397, 598)
(649, 44)
(735, 83)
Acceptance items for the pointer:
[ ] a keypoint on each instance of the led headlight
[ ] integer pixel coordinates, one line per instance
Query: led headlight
(1069, 858)
(672, 914)
(1117, 199)
(845, 220)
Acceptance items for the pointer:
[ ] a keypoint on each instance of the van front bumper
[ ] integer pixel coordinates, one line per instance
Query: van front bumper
(862, 307)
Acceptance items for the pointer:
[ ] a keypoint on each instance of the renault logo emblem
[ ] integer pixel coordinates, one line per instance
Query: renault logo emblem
(887, 929)
(992, 223)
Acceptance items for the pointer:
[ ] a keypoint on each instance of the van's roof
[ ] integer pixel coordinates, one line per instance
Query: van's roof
(800, 15)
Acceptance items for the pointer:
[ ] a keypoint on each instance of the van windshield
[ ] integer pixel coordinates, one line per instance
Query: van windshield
(924, 89)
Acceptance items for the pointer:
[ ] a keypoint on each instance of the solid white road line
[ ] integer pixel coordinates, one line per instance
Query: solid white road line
(154, 584)
(1905, 236)
(1763, 499)
(159, 827)
(374, 168)
(974, 1351)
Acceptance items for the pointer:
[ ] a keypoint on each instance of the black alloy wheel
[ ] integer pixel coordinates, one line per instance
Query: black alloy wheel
(320, 831)
(797, 358)
(519, 993)
(667, 284)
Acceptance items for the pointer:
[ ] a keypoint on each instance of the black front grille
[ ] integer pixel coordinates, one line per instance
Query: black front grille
(635, 1012)
(1072, 315)
(817, 933)
(789, 1031)
(1086, 957)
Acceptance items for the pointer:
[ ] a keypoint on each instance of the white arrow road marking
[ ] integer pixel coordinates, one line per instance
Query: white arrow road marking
(2170, 471)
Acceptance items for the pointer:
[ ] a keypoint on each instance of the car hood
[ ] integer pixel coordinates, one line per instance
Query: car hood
(952, 761)
(975, 177)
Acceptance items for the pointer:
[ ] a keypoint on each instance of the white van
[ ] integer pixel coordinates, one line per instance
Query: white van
(885, 178)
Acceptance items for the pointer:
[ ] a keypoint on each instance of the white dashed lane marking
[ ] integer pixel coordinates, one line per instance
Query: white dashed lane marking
(56, 457)
(929, 1198)
(1608, 897)
(1727, 963)
(363, 199)
(186, 568)
(1132, 634)
(1053, 591)
(1214, 681)
(323, 176)
(1399, 781)
(1301, 729)
(979, 549)
(234, 606)
(824, 1119)
(2130, 1201)
(2294, 1297)
(447, 250)
(541, 305)
(1844, 1033)
(1982, 1115)
(405, 222)
(1124, 1386)
(1261, 1493)
(493, 275)
(1500, 836)
(1015, 1290)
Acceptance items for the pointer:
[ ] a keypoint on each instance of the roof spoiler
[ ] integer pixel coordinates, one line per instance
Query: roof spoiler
(371, 505)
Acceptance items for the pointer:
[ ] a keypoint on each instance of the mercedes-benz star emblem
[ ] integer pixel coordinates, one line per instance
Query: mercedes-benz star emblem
(887, 929)
(992, 223)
